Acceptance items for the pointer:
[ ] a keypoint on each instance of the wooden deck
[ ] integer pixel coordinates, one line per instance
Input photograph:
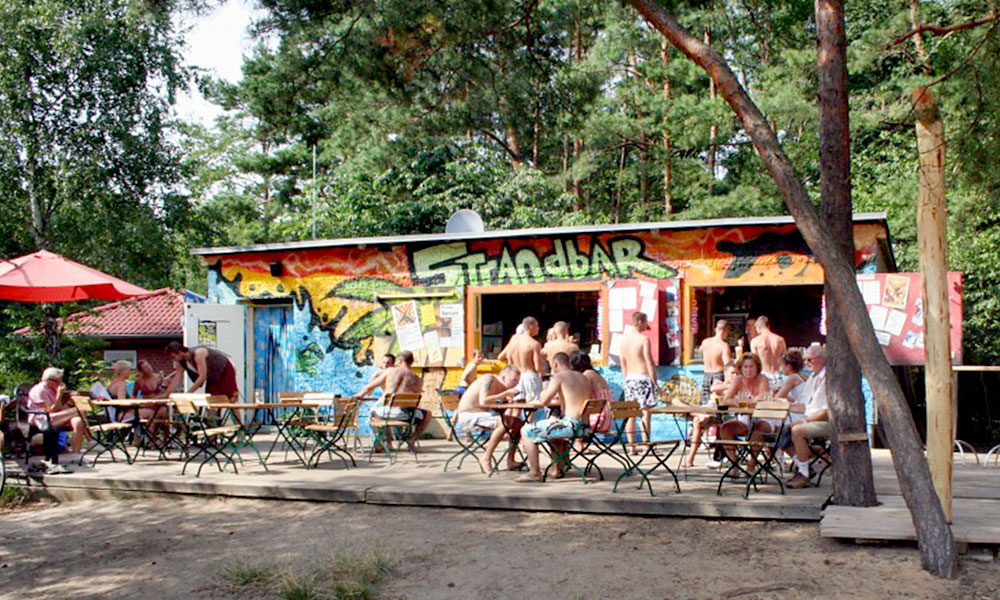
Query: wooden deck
(423, 483)
(975, 507)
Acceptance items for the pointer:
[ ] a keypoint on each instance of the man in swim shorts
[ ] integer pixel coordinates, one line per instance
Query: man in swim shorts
(525, 352)
(568, 390)
(639, 371)
(714, 355)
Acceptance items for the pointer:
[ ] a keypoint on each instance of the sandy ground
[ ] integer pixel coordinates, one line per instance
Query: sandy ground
(177, 548)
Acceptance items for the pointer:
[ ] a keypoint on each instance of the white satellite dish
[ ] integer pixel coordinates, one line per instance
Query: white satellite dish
(465, 221)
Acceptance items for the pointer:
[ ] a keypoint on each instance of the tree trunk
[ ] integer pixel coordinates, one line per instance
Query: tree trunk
(937, 546)
(853, 484)
(933, 243)
(577, 142)
(668, 174)
(713, 131)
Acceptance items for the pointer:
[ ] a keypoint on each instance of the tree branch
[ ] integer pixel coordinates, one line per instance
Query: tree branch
(942, 29)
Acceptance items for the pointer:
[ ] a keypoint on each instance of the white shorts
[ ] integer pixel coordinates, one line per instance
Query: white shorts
(480, 419)
(529, 387)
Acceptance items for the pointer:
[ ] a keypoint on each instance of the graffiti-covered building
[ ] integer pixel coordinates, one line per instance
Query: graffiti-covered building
(316, 315)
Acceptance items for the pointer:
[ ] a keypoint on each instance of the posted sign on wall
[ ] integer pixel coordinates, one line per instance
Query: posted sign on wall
(895, 306)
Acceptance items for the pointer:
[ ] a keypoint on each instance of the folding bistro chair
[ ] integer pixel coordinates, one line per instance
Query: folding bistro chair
(329, 428)
(821, 459)
(651, 448)
(764, 453)
(586, 436)
(469, 441)
(382, 428)
(105, 434)
(210, 440)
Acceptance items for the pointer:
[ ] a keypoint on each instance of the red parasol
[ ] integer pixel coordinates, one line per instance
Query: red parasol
(46, 277)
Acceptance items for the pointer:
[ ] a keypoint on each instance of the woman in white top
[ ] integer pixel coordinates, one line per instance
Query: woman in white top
(791, 367)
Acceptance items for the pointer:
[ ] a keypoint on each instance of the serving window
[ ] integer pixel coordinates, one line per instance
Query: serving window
(795, 312)
(498, 310)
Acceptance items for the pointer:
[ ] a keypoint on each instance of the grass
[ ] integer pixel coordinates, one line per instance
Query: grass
(344, 574)
(14, 497)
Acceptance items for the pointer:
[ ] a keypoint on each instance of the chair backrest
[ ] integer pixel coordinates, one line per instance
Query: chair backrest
(185, 403)
(319, 398)
(592, 407)
(215, 399)
(290, 396)
(82, 404)
(403, 400)
(449, 402)
(771, 410)
(625, 410)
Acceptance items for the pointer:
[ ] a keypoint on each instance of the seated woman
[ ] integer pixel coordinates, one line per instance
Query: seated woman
(600, 423)
(702, 422)
(150, 385)
(118, 388)
(749, 387)
(790, 365)
(46, 413)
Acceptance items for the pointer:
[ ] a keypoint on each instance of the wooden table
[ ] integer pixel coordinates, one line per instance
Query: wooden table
(138, 403)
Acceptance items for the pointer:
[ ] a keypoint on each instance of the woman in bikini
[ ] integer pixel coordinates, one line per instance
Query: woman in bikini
(149, 385)
(749, 388)
(118, 388)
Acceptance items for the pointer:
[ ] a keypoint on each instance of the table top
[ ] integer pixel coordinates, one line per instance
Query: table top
(514, 405)
(126, 402)
(674, 409)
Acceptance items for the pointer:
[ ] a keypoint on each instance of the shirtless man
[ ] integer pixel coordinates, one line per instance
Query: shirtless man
(714, 354)
(470, 413)
(569, 391)
(639, 372)
(388, 362)
(525, 352)
(399, 379)
(769, 347)
(560, 342)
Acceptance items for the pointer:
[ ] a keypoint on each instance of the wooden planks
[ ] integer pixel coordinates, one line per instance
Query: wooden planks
(974, 521)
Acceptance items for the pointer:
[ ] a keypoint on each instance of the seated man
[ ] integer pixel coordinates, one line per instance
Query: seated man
(45, 397)
(814, 422)
(471, 414)
(399, 379)
(568, 390)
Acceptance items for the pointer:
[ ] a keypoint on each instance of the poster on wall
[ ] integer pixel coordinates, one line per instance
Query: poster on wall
(895, 308)
(208, 333)
(405, 317)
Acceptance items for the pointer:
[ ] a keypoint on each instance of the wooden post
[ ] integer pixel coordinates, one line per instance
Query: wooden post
(933, 246)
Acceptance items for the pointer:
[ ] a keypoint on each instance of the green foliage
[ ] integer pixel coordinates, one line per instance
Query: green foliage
(25, 356)
(85, 93)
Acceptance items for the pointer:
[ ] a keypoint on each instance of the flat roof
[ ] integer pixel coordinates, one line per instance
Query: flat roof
(866, 217)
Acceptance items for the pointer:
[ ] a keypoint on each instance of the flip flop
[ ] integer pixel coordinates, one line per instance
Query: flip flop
(527, 479)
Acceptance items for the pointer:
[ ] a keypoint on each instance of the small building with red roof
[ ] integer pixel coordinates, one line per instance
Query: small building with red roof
(135, 329)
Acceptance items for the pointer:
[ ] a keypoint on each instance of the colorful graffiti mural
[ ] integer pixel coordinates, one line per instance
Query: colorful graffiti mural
(352, 304)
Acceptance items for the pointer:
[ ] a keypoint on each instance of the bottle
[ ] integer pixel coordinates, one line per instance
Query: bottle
(739, 348)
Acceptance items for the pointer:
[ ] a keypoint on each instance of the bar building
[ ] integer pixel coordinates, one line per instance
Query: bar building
(319, 314)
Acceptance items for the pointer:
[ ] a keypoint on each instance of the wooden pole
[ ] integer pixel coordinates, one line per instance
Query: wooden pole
(933, 246)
